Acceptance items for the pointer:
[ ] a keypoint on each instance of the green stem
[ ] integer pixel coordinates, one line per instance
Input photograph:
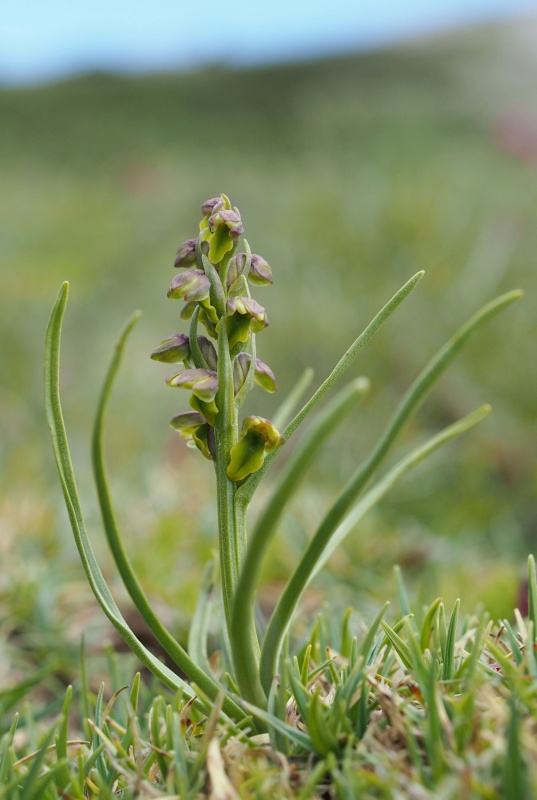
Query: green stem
(247, 666)
(230, 547)
(197, 356)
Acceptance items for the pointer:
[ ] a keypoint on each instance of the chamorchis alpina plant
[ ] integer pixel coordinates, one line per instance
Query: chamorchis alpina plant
(218, 365)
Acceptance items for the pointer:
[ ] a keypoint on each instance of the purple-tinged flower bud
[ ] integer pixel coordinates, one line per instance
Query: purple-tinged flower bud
(244, 315)
(204, 440)
(208, 205)
(208, 352)
(260, 273)
(186, 253)
(203, 383)
(258, 437)
(241, 365)
(238, 265)
(172, 350)
(192, 285)
(264, 376)
(187, 422)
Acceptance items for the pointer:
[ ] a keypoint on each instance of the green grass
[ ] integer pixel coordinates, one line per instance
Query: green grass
(429, 705)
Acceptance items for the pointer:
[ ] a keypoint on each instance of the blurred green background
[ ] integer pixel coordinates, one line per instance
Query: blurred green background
(351, 175)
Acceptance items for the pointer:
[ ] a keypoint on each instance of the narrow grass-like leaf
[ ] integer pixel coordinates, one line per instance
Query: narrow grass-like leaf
(5, 751)
(530, 652)
(199, 626)
(188, 665)
(448, 666)
(367, 648)
(32, 786)
(62, 776)
(323, 738)
(135, 692)
(251, 483)
(346, 639)
(514, 776)
(362, 710)
(348, 686)
(318, 550)
(428, 624)
(312, 561)
(513, 643)
(400, 647)
(300, 693)
(468, 667)
(304, 672)
(68, 483)
(382, 641)
(433, 738)
(293, 734)
(95, 726)
(309, 789)
(442, 630)
(328, 538)
(532, 593)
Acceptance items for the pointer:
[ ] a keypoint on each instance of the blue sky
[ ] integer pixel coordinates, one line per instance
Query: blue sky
(42, 40)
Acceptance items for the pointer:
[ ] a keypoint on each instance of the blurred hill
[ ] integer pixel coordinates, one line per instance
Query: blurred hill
(351, 174)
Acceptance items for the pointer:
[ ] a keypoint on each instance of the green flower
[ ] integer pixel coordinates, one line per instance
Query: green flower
(263, 375)
(203, 383)
(258, 437)
(244, 315)
(187, 422)
(203, 438)
(206, 407)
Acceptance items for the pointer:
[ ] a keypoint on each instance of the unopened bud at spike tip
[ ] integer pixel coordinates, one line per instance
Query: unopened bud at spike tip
(208, 205)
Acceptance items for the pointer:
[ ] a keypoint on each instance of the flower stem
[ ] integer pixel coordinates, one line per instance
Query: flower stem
(226, 436)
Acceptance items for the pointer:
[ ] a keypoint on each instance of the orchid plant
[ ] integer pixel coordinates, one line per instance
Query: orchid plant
(218, 366)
